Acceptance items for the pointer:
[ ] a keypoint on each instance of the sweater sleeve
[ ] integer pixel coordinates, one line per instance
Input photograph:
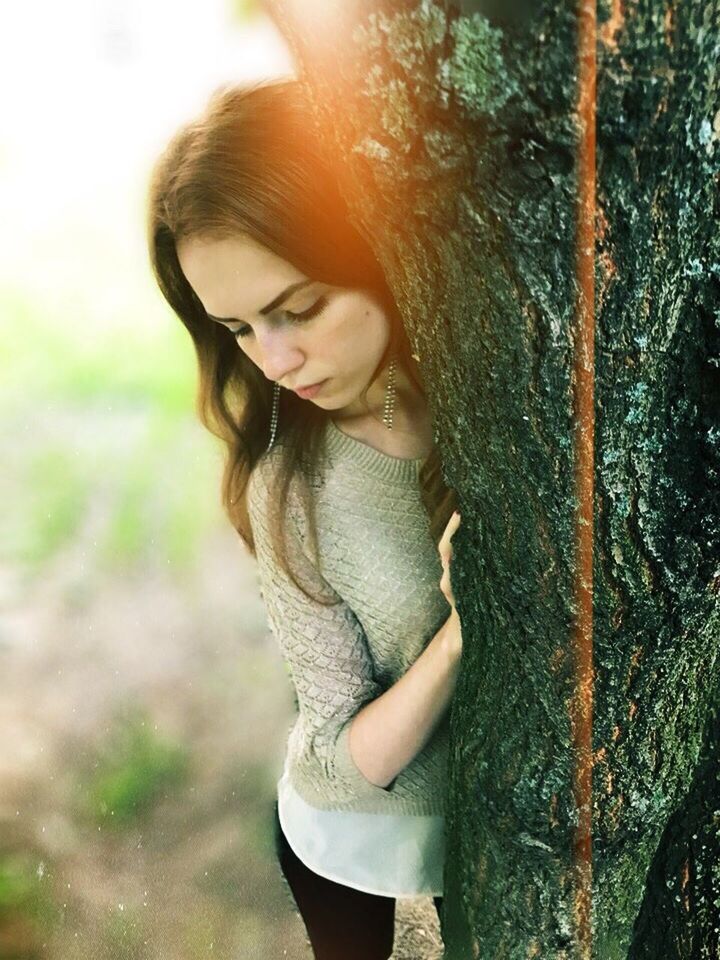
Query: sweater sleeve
(324, 647)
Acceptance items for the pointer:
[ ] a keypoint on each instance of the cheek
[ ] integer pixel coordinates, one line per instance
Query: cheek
(359, 326)
(250, 350)
(373, 328)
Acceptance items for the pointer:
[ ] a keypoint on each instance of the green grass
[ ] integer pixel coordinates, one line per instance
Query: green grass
(168, 500)
(136, 769)
(61, 357)
(48, 506)
(27, 892)
(18, 882)
(245, 9)
(125, 934)
(102, 431)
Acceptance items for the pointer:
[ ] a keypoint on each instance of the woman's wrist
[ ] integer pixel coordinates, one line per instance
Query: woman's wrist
(452, 636)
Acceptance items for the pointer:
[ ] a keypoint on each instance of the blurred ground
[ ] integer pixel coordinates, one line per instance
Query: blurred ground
(90, 659)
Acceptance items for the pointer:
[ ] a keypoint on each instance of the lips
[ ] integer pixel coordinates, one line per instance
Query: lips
(308, 392)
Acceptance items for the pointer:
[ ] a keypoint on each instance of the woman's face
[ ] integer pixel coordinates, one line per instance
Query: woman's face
(260, 298)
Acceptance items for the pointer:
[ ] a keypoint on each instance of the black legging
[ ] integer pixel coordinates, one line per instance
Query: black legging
(342, 923)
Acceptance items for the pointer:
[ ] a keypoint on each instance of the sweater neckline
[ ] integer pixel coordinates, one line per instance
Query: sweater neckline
(382, 465)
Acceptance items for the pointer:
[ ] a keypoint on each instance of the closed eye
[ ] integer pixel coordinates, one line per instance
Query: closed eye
(308, 314)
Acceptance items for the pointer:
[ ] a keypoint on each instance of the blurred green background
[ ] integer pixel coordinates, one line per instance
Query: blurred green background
(136, 668)
(144, 707)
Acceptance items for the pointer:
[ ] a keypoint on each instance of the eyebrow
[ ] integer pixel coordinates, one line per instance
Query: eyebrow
(280, 298)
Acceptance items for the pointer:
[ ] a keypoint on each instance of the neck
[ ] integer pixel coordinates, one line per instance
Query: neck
(409, 399)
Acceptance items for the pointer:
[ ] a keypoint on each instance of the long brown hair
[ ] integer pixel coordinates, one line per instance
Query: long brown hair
(249, 165)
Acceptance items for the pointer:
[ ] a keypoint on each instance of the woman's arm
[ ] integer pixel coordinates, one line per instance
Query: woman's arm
(324, 647)
(387, 733)
(333, 674)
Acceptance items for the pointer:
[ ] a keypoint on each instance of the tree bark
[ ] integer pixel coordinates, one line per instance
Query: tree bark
(454, 131)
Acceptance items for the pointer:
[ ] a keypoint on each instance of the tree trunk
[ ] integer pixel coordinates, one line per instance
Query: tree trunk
(456, 132)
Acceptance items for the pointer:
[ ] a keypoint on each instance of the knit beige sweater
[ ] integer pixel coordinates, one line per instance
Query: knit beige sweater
(382, 570)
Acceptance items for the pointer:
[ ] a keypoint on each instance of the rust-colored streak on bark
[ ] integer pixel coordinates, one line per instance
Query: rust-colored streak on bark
(669, 26)
(634, 661)
(557, 658)
(614, 811)
(584, 446)
(605, 259)
(684, 884)
(612, 26)
(601, 757)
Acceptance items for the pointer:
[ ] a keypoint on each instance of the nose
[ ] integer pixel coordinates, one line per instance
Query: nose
(279, 355)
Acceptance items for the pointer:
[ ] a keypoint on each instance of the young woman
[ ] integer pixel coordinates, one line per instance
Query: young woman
(332, 481)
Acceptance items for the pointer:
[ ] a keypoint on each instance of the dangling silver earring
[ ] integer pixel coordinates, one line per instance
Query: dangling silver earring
(274, 417)
(390, 395)
(388, 409)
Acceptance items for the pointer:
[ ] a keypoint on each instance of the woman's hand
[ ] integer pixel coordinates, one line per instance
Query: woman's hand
(452, 636)
(445, 550)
